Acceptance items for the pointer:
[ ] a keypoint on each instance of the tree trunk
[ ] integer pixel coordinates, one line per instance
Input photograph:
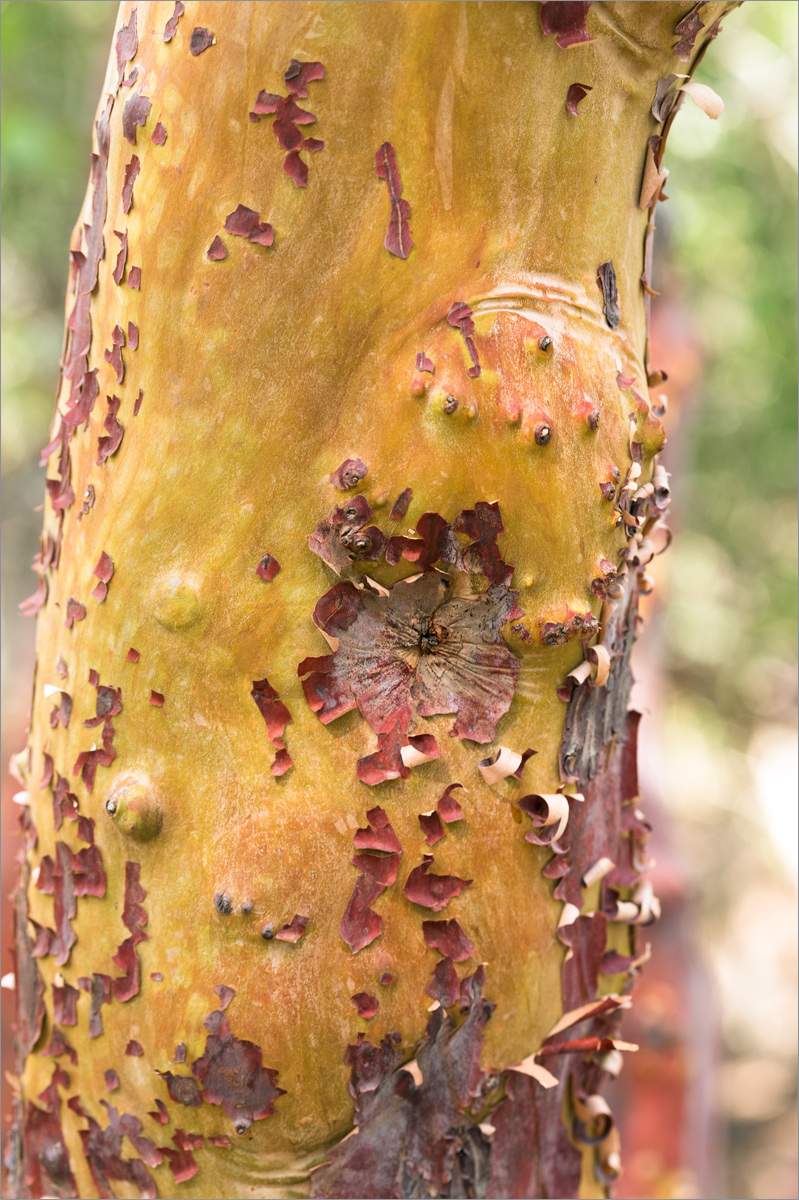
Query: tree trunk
(353, 419)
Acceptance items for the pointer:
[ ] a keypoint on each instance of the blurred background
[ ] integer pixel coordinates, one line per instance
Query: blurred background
(708, 1106)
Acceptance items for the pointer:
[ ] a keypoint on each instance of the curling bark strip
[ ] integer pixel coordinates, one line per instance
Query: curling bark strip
(252, 362)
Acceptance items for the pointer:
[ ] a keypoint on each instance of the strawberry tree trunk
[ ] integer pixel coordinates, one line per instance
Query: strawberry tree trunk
(351, 490)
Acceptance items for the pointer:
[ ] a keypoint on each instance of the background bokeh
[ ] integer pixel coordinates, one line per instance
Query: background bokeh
(710, 1106)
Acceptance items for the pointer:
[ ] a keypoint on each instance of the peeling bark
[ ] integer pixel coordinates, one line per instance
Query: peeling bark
(469, 406)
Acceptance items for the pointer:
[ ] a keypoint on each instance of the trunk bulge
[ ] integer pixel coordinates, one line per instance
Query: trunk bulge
(331, 780)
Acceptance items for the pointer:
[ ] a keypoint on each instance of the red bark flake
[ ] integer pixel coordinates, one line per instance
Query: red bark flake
(360, 925)
(576, 93)
(159, 135)
(225, 995)
(221, 1141)
(156, 699)
(157, 976)
(385, 979)
(108, 704)
(108, 445)
(432, 891)
(565, 21)
(134, 1049)
(431, 827)
(294, 930)
(423, 363)
(127, 43)
(398, 240)
(134, 918)
(262, 235)
(103, 1151)
(131, 79)
(217, 250)
(182, 1089)
(75, 612)
(232, 1075)
(62, 712)
(445, 987)
(41, 948)
(85, 825)
(30, 606)
(103, 571)
(161, 1115)
(587, 937)
(401, 504)
(88, 872)
(687, 32)
(241, 221)
(277, 717)
(133, 336)
(448, 939)
(378, 835)
(414, 1138)
(267, 568)
(135, 112)
(60, 1046)
(111, 1081)
(459, 647)
(171, 27)
(448, 808)
(382, 868)
(47, 1169)
(298, 75)
(49, 768)
(131, 175)
(88, 761)
(296, 169)
(349, 474)
(624, 381)
(182, 1162)
(288, 116)
(65, 1004)
(134, 278)
(606, 278)
(137, 404)
(366, 1005)
(59, 876)
(114, 355)
(201, 39)
(460, 317)
(88, 501)
(65, 803)
(82, 402)
(180, 1053)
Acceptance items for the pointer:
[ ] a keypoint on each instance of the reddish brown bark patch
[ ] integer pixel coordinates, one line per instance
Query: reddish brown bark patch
(131, 175)
(232, 1075)
(217, 251)
(349, 474)
(293, 931)
(414, 1140)
(606, 278)
(398, 240)
(430, 890)
(46, 1169)
(460, 317)
(400, 506)
(366, 1005)
(277, 717)
(448, 939)
(201, 39)
(103, 571)
(576, 93)
(267, 568)
(134, 918)
(159, 134)
(30, 985)
(135, 113)
(171, 27)
(565, 21)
